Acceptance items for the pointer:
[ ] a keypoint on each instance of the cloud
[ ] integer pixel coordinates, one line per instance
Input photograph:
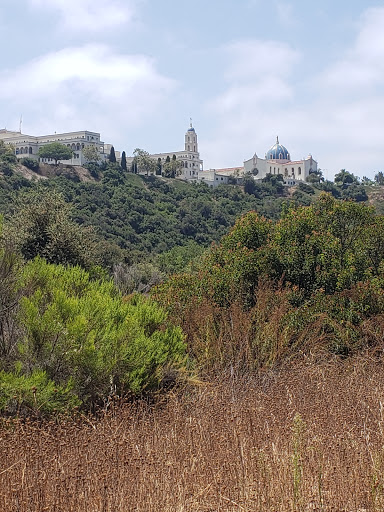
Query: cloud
(362, 67)
(85, 87)
(258, 88)
(89, 15)
(336, 113)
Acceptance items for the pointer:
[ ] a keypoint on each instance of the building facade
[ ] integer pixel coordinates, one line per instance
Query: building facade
(189, 158)
(28, 145)
(278, 161)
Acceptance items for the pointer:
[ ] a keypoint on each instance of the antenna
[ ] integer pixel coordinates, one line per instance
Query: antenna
(21, 122)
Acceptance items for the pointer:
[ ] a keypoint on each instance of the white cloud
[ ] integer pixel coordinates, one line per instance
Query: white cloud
(363, 65)
(87, 87)
(340, 120)
(258, 90)
(89, 15)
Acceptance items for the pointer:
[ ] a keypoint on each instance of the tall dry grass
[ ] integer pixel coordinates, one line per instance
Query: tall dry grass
(304, 438)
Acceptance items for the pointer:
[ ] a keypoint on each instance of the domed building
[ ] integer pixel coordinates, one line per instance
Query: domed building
(278, 161)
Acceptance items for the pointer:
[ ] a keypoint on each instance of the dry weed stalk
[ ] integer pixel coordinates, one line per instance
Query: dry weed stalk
(304, 438)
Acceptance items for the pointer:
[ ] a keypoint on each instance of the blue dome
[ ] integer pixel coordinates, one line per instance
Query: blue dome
(278, 152)
(191, 129)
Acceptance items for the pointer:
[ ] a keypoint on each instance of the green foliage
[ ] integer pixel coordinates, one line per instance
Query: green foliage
(56, 151)
(112, 156)
(327, 246)
(91, 153)
(42, 226)
(379, 178)
(145, 164)
(80, 332)
(31, 163)
(123, 161)
(35, 394)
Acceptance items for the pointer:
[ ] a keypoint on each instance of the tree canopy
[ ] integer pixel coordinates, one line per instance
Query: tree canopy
(56, 151)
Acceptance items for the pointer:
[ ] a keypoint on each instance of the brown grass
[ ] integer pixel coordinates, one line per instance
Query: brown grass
(304, 438)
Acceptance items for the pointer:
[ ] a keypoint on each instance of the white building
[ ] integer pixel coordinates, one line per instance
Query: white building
(189, 158)
(278, 161)
(213, 178)
(28, 145)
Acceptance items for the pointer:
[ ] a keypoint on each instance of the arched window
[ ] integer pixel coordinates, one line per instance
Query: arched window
(30, 151)
(73, 146)
(21, 151)
(77, 147)
(194, 149)
(299, 170)
(17, 151)
(186, 164)
(189, 147)
(82, 146)
(293, 170)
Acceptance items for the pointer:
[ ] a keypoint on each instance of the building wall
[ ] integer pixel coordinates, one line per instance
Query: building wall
(28, 145)
(297, 170)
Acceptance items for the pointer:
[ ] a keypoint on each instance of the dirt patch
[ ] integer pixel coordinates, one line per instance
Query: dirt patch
(45, 171)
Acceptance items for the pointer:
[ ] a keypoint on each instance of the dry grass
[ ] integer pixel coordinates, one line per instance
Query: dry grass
(303, 438)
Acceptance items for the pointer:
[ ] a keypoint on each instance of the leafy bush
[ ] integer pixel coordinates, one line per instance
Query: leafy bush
(82, 332)
(35, 394)
(31, 163)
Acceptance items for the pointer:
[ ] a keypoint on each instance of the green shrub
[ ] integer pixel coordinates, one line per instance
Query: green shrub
(34, 394)
(31, 163)
(81, 330)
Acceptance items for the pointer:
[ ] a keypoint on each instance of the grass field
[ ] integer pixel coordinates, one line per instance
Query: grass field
(308, 437)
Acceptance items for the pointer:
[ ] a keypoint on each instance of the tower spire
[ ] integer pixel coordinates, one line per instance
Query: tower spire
(277, 139)
(190, 122)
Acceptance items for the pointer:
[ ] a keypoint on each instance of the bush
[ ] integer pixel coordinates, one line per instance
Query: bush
(30, 163)
(81, 333)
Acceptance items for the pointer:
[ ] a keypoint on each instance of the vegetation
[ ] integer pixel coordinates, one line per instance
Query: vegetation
(112, 156)
(68, 339)
(270, 290)
(112, 293)
(56, 151)
(307, 437)
(91, 153)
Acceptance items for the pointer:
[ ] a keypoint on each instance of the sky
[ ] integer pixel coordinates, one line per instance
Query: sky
(245, 71)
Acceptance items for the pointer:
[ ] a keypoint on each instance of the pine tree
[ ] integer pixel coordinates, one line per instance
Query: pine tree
(123, 161)
(112, 156)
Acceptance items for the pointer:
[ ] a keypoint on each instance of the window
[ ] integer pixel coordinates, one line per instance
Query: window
(299, 170)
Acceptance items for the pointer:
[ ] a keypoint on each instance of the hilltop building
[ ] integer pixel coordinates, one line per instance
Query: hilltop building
(278, 161)
(28, 145)
(191, 163)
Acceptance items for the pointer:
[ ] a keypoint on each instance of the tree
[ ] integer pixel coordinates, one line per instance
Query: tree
(123, 161)
(145, 163)
(112, 156)
(379, 178)
(42, 226)
(91, 153)
(315, 176)
(56, 151)
(344, 178)
(158, 167)
(172, 168)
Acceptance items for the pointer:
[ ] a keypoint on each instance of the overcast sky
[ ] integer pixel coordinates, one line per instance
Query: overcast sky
(244, 70)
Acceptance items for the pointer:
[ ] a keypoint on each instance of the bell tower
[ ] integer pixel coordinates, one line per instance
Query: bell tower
(191, 140)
